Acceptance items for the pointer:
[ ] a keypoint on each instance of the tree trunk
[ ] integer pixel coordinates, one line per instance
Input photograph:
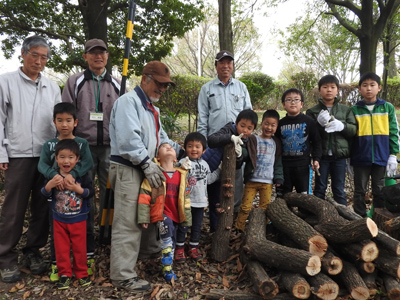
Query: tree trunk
(392, 287)
(354, 282)
(364, 250)
(231, 295)
(368, 47)
(298, 230)
(225, 25)
(295, 284)
(323, 287)
(277, 256)
(220, 241)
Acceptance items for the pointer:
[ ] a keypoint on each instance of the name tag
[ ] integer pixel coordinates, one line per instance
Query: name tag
(96, 116)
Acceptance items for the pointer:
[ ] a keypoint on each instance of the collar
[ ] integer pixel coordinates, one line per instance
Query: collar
(378, 102)
(143, 98)
(219, 81)
(26, 77)
(89, 75)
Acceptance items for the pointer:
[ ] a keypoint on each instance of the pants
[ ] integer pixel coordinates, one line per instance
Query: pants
(250, 191)
(197, 221)
(297, 177)
(126, 233)
(337, 169)
(361, 178)
(67, 236)
(22, 179)
(174, 231)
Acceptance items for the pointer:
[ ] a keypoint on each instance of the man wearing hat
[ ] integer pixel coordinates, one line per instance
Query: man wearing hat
(93, 92)
(136, 132)
(220, 101)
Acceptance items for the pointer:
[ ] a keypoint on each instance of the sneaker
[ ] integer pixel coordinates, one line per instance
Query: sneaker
(35, 263)
(85, 281)
(194, 254)
(91, 267)
(54, 273)
(133, 285)
(10, 275)
(64, 282)
(168, 273)
(180, 255)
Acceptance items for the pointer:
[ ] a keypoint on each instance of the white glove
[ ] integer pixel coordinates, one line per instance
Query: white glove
(237, 141)
(391, 166)
(323, 117)
(334, 126)
(220, 166)
(153, 173)
(186, 163)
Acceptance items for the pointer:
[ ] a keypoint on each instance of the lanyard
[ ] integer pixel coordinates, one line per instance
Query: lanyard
(96, 95)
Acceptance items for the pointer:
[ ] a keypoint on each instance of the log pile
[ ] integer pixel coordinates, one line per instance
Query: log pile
(322, 250)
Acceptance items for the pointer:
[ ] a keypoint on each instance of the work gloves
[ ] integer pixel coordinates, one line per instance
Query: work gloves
(334, 126)
(237, 141)
(154, 173)
(391, 166)
(186, 163)
(323, 118)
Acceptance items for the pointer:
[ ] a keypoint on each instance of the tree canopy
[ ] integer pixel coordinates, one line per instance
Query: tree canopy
(69, 23)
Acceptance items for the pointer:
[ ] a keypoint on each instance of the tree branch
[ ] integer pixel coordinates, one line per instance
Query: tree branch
(341, 20)
(117, 6)
(346, 3)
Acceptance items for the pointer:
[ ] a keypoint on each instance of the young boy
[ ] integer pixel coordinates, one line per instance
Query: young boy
(376, 143)
(300, 139)
(70, 210)
(199, 177)
(168, 206)
(64, 118)
(261, 174)
(238, 133)
(337, 128)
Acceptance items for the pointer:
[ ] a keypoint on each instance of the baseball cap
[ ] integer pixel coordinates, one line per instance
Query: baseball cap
(222, 54)
(158, 71)
(90, 44)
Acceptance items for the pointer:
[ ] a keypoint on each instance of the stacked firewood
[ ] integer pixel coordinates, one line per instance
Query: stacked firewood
(321, 250)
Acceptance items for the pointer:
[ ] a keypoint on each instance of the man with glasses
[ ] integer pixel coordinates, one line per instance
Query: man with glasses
(136, 132)
(27, 99)
(93, 92)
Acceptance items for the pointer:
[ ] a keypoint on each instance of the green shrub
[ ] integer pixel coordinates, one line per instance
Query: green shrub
(265, 82)
(256, 92)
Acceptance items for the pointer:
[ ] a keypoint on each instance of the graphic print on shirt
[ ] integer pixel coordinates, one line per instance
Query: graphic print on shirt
(67, 203)
(266, 149)
(197, 173)
(294, 139)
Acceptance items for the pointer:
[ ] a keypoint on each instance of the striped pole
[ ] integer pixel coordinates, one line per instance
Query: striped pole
(129, 32)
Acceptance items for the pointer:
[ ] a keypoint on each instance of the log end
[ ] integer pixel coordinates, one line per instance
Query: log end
(301, 290)
(317, 245)
(360, 293)
(373, 228)
(314, 265)
(335, 266)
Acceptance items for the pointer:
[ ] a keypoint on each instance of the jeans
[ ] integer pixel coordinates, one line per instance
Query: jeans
(337, 169)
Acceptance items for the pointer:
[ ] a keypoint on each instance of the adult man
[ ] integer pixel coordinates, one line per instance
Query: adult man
(94, 92)
(27, 99)
(136, 132)
(220, 101)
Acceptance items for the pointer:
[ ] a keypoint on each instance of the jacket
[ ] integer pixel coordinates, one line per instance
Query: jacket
(136, 130)
(80, 91)
(377, 134)
(151, 202)
(219, 104)
(26, 113)
(339, 142)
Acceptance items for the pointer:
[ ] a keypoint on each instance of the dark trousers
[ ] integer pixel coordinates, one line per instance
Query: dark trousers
(361, 178)
(197, 221)
(297, 177)
(174, 230)
(337, 169)
(22, 179)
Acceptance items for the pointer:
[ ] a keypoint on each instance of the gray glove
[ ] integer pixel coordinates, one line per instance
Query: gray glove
(391, 166)
(186, 163)
(334, 126)
(323, 117)
(237, 141)
(153, 173)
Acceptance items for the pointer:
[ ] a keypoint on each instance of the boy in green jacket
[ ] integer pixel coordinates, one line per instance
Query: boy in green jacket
(337, 128)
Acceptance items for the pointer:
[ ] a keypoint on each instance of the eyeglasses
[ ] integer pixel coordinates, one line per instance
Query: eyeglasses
(292, 100)
(98, 52)
(160, 85)
(37, 55)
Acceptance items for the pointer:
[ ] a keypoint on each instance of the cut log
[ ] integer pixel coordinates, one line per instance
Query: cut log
(277, 256)
(353, 282)
(388, 263)
(365, 250)
(262, 283)
(370, 282)
(331, 264)
(382, 218)
(392, 287)
(382, 239)
(220, 241)
(332, 226)
(367, 267)
(393, 224)
(295, 284)
(323, 287)
(231, 295)
(306, 237)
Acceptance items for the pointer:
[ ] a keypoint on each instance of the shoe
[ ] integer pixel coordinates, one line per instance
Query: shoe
(168, 273)
(194, 254)
(133, 285)
(180, 254)
(35, 263)
(10, 275)
(85, 281)
(91, 267)
(54, 273)
(64, 282)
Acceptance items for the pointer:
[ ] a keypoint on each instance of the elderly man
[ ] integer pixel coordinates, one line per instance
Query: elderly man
(220, 101)
(136, 132)
(27, 99)
(94, 92)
